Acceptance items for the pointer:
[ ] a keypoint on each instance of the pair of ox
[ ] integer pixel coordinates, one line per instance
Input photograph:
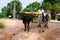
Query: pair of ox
(27, 18)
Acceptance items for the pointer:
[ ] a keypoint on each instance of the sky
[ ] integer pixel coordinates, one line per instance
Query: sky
(24, 2)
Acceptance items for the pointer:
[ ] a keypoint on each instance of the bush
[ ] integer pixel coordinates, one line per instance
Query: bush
(1, 25)
(35, 19)
(2, 16)
(58, 18)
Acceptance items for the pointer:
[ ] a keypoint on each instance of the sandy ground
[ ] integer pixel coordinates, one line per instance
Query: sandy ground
(14, 30)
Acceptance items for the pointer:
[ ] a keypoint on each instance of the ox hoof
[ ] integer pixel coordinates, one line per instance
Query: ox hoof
(43, 31)
(24, 30)
(39, 26)
(47, 27)
(14, 34)
(39, 31)
(28, 30)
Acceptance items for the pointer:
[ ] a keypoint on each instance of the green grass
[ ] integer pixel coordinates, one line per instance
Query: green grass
(1, 25)
(35, 19)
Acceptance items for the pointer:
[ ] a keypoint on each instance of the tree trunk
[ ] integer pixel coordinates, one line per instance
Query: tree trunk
(14, 11)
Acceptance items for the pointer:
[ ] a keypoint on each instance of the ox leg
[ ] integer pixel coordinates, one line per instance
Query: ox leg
(28, 26)
(46, 25)
(39, 25)
(42, 26)
(25, 27)
(42, 29)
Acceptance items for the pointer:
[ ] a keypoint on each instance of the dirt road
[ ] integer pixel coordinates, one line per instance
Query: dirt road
(14, 30)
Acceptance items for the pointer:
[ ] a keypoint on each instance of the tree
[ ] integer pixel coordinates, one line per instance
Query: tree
(54, 6)
(4, 11)
(51, 1)
(46, 6)
(35, 6)
(10, 7)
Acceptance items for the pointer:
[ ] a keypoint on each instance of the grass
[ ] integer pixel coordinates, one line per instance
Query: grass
(1, 25)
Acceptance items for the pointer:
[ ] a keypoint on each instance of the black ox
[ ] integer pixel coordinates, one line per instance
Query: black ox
(27, 18)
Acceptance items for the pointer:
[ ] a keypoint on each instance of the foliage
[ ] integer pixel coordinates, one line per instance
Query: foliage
(18, 6)
(53, 6)
(1, 25)
(46, 6)
(51, 1)
(2, 16)
(58, 18)
(8, 10)
(35, 19)
(35, 6)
